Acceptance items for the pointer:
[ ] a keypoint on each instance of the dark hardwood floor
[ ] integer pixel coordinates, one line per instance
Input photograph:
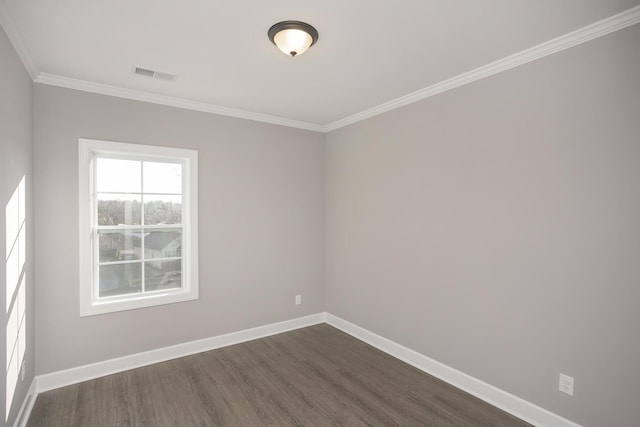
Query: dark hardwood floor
(316, 376)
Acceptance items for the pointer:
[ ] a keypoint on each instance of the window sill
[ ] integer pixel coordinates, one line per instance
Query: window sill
(134, 302)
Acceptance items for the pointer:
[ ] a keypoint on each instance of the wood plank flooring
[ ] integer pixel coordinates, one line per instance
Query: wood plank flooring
(316, 376)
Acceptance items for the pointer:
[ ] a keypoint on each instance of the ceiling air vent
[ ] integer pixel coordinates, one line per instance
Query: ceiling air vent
(154, 74)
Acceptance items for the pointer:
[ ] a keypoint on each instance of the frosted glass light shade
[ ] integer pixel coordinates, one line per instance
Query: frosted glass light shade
(293, 38)
(293, 42)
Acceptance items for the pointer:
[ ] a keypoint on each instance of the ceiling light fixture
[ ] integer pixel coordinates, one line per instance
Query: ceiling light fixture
(293, 38)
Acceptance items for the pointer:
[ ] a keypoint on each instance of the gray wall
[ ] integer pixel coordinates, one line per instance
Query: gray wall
(494, 228)
(15, 163)
(261, 224)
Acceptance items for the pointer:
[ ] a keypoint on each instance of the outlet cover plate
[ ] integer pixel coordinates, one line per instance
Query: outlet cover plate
(566, 384)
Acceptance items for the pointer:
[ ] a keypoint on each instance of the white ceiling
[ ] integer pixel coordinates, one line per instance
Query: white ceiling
(370, 52)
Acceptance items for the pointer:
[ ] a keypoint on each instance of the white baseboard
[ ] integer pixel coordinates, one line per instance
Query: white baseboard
(112, 366)
(27, 405)
(514, 405)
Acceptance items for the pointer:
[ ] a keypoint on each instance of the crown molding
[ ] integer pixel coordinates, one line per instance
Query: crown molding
(138, 95)
(17, 39)
(590, 32)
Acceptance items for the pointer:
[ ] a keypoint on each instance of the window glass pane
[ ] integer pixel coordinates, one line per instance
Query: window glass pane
(118, 176)
(115, 209)
(162, 209)
(119, 245)
(163, 178)
(162, 275)
(164, 243)
(119, 279)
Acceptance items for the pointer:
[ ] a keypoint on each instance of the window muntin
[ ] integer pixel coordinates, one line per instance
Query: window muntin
(141, 217)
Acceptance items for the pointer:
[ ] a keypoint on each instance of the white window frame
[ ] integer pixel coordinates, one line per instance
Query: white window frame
(90, 303)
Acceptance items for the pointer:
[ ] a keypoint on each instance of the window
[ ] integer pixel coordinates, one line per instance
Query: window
(138, 226)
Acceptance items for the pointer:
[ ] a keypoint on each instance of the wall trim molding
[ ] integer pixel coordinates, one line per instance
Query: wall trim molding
(99, 369)
(590, 32)
(17, 39)
(514, 405)
(170, 101)
(27, 405)
(508, 402)
(582, 35)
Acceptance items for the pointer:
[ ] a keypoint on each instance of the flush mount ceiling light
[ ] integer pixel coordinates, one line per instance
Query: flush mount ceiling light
(293, 37)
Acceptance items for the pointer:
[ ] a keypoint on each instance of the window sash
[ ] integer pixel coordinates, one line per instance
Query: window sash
(143, 259)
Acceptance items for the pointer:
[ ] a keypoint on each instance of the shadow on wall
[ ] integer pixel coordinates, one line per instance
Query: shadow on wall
(15, 258)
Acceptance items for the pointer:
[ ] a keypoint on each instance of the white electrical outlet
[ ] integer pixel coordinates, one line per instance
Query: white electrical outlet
(566, 384)
(298, 299)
